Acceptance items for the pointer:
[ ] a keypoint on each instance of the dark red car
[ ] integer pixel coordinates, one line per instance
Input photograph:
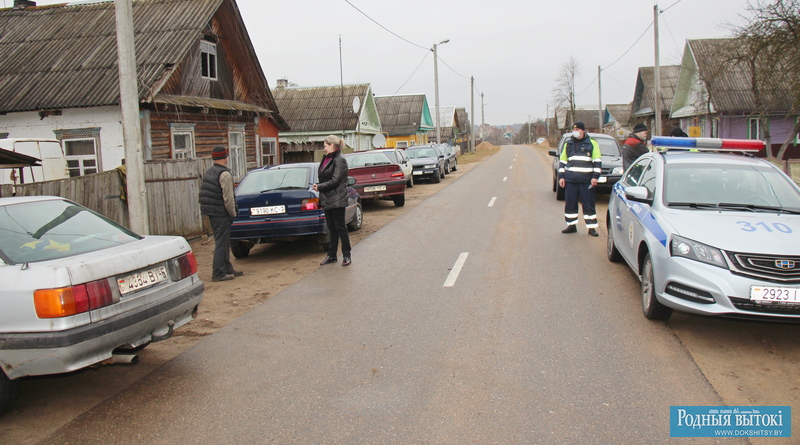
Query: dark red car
(377, 177)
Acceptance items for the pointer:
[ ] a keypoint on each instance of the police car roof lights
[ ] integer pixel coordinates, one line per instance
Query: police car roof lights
(711, 144)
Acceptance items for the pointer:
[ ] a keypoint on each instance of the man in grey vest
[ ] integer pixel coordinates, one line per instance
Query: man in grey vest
(218, 203)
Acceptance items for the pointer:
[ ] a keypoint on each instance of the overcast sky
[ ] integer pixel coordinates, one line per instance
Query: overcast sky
(513, 48)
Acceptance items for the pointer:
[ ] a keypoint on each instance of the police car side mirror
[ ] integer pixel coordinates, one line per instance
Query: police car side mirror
(552, 153)
(638, 194)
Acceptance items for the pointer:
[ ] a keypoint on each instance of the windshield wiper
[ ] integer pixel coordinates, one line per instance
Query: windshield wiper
(288, 187)
(693, 205)
(754, 207)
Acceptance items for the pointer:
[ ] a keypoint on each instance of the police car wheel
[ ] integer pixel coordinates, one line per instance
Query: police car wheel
(652, 309)
(611, 248)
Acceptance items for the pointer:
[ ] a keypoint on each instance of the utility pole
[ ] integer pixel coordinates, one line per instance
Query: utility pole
(529, 129)
(482, 120)
(138, 219)
(657, 107)
(436, 89)
(471, 114)
(600, 100)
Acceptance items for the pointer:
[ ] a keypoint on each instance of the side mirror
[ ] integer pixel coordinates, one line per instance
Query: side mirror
(351, 181)
(638, 194)
(552, 153)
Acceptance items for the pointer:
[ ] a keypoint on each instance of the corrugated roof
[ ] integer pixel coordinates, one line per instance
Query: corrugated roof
(401, 115)
(320, 108)
(65, 56)
(620, 112)
(644, 98)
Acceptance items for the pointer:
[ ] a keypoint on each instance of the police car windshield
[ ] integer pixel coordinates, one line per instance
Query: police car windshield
(733, 187)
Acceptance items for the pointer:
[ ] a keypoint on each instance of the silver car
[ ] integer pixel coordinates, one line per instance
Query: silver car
(79, 289)
(708, 233)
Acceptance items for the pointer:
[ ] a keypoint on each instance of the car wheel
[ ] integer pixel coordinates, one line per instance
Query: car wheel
(9, 392)
(651, 308)
(447, 168)
(358, 219)
(559, 193)
(240, 249)
(399, 200)
(455, 166)
(442, 172)
(555, 184)
(437, 179)
(410, 182)
(611, 248)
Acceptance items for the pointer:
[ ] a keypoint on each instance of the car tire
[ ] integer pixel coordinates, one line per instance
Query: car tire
(559, 192)
(410, 182)
(358, 219)
(455, 166)
(447, 168)
(240, 249)
(443, 173)
(555, 184)
(437, 179)
(651, 307)
(611, 248)
(9, 392)
(399, 200)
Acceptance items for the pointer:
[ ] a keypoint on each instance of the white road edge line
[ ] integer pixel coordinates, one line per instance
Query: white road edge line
(491, 203)
(456, 270)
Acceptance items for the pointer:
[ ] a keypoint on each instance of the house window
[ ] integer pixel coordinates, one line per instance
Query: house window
(402, 144)
(182, 141)
(268, 148)
(208, 60)
(755, 128)
(81, 156)
(236, 157)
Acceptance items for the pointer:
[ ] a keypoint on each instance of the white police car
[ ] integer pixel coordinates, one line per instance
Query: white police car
(708, 232)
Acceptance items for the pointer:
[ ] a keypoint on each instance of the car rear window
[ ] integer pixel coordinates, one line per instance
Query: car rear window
(367, 159)
(47, 230)
(259, 181)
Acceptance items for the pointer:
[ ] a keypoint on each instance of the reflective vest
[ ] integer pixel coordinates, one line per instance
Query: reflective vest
(580, 161)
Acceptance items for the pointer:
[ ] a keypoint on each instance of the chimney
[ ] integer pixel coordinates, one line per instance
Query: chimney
(22, 4)
(283, 83)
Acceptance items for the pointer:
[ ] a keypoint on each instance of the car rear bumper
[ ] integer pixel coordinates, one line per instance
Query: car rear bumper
(313, 224)
(41, 353)
(392, 188)
(427, 173)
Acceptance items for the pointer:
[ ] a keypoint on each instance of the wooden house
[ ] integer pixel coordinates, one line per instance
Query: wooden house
(200, 83)
(406, 120)
(448, 125)
(462, 139)
(714, 97)
(643, 105)
(616, 121)
(313, 113)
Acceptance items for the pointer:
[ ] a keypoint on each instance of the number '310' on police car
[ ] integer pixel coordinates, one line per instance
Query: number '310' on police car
(709, 231)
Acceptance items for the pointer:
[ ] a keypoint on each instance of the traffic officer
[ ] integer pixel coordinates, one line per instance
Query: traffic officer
(578, 170)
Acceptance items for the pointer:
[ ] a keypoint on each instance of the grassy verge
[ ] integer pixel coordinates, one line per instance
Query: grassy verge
(481, 152)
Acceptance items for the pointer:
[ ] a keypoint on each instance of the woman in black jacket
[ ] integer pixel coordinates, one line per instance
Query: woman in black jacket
(332, 189)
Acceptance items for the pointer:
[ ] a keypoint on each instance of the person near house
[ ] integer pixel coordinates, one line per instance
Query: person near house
(218, 203)
(332, 188)
(579, 169)
(676, 132)
(635, 145)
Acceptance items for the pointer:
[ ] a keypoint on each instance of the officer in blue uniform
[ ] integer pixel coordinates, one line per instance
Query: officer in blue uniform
(579, 169)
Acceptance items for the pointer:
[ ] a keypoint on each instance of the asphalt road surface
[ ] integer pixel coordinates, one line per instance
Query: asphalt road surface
(469, 319)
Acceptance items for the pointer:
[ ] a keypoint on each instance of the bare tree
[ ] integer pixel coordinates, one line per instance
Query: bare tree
(564, 91)
(772, 51)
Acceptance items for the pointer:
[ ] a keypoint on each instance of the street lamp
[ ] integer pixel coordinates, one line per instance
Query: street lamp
(436, 88)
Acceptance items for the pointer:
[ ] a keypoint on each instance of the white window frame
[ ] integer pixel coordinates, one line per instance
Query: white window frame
(179, 130)
(81, 159)
(750, 123)
(401, 144)
(269, 156)
(237, 154)
(208, 60)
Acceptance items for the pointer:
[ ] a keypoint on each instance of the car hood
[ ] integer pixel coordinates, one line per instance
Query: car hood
(771, 233)
(423, 161)
(609, 161)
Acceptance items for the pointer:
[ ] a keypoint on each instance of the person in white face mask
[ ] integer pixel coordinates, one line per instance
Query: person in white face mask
(579, 169)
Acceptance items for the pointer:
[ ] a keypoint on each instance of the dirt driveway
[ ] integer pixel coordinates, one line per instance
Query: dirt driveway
(47, 403)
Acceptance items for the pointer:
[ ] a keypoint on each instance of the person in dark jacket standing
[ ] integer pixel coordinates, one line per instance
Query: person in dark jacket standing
(578, 172)
(332, 189)
(635, 145)
(218, 203)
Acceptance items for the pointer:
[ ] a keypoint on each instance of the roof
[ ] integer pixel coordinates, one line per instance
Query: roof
(619, 113)
(403, 115)
(324, 108)
(9, 159)
(463, 122)
(644, 97)
(447, 115)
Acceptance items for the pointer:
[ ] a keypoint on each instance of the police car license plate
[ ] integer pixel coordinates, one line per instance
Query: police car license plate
(375, 188)
(602, 179)
(271, 210)
(768, 294)
(139, 280)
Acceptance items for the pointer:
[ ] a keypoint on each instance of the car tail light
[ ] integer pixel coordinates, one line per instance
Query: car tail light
(66, 301)
(183, 266)
(310, 204)
(398, 173)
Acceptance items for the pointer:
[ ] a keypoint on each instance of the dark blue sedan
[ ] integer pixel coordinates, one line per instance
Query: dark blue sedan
(277, 204)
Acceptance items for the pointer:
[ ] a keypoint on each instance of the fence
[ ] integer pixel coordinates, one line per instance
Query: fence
(172, 187)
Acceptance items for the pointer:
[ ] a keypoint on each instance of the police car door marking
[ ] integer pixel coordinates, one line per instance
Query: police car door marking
(749, 227)
(647, 219)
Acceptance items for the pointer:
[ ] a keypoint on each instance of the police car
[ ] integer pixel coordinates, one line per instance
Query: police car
(709, 230)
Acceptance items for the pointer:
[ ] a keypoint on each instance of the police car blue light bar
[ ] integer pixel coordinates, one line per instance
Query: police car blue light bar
(715, 144)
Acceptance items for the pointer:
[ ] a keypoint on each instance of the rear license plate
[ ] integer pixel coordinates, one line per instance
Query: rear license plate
(767, 294)
(418, 172)
(139, 280)
(375, 188)
(271, 210)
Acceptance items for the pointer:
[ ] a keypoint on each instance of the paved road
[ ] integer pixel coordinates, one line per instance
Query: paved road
(537, 339)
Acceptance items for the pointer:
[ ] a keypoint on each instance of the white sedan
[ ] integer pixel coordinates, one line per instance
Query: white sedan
(79, 289)
(708, 231)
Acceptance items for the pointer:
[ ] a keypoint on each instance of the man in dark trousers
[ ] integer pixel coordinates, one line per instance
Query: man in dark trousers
(635, 145)
(579, 169)
(218, 203)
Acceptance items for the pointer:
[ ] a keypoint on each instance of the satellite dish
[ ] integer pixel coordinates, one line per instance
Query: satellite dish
(379, 140)
(356, 104)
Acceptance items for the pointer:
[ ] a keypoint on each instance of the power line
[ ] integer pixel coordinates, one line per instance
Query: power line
(413, 73)
(385, 28)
